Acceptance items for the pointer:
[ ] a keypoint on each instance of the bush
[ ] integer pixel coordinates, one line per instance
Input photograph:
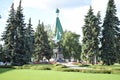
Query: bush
(17, 67)
(40, 68)
(6, 66)
(22, 67)
(115, 71)
(96, 71)
(87, 70)
(85, 65)
(70, 70)
(59, 67)
(117, 68)
(26, 66)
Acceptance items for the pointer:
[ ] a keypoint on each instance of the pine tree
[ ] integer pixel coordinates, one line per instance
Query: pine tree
(108, 41)
(29, 35)
(20, 52)
(42, 47)
(96, 38)
(91, 31)
(118, 47)
(9, 34)
(1, 53)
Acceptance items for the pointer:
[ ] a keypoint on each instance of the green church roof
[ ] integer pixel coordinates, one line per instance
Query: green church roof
(58, 28)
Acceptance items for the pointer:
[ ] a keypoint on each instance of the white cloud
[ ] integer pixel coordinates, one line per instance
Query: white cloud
(73, 19)
(71, 11)
(48, 4)
(42, 4)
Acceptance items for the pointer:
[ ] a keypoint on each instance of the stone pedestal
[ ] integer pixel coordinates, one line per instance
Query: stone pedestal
(58, 55)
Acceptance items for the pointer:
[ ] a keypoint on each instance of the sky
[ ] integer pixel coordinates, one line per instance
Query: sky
(72, 12)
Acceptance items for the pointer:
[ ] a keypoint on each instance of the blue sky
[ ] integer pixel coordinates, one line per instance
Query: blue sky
(72, 12)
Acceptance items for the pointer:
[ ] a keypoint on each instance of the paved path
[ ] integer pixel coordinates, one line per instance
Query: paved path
(70, 65)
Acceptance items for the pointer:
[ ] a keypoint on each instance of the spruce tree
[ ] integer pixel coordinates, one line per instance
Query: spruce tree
(20, 52)
(118, 47)
(1, 53)
(96, 38)
(91, 31)
(108, 41)
(8, 35)
(29, 40)
(42, 47)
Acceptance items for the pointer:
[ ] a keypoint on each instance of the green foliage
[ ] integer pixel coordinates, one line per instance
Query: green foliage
(71, 45)
(20, 53)
(8, 34)
(34, 67)
(15, 45)
(118, 47)
(87, 71)
(110, 29)
(6, 66)
(1, 53)
(42, 47)
(29, 40)
(84, 65)
(41, 68)
(20, 42)
(115, 69)
(59, 67)
(91, 31)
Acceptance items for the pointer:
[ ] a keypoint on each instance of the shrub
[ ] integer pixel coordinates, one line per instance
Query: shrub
(40, 68)
(115, 71)
(59, 67)
(70, 70)
(17, 67)
(86, 70)
(84, 65)
(6, 66)
(96, 71)
(26, 66)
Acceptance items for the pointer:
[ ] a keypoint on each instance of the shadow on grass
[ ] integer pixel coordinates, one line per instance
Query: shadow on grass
(3, 70)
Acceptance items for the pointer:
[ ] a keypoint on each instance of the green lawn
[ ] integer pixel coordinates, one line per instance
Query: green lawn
(29, 74)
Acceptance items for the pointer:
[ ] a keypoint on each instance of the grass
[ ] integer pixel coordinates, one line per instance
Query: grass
(29, 74)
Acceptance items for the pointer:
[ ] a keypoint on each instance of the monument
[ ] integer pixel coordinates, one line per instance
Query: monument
(58, 35)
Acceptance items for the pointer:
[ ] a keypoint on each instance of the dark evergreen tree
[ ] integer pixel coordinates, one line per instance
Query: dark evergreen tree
(96, 39)
(118, 47)
(110, 29)
(1, 53)
(9, 34)
(91, 31)
(29, 41)
(42, 47)
(20, 52)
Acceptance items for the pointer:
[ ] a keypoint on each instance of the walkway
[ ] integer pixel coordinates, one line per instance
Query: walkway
(70, 65)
